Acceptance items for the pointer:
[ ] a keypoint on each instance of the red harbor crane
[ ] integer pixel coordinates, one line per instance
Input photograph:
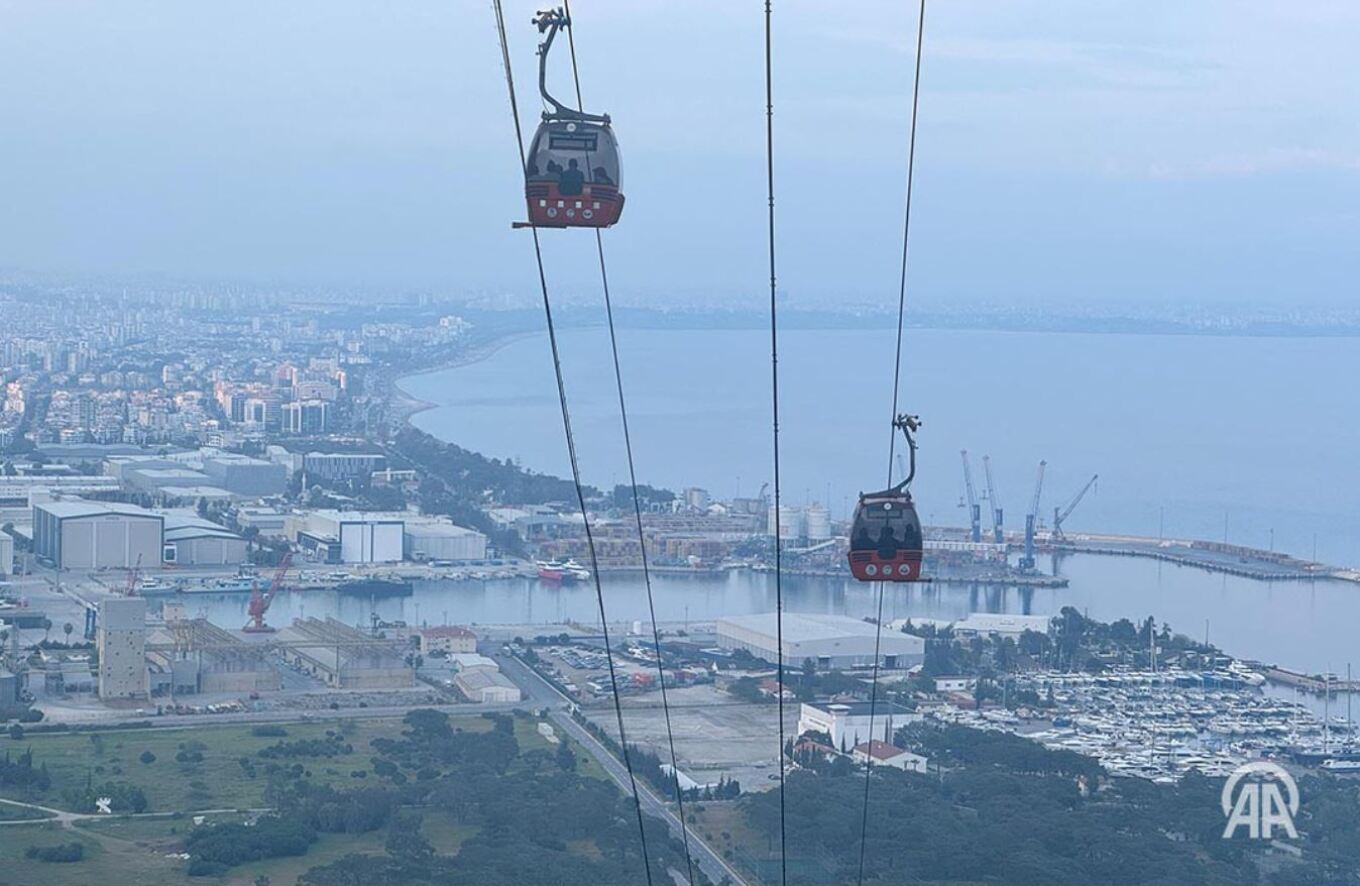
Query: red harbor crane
(260, 601)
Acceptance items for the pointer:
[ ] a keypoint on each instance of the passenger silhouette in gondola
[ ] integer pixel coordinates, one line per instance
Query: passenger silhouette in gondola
(554, 168)
(602, 176)
(887, 543)
(862, 541)
(572, 180)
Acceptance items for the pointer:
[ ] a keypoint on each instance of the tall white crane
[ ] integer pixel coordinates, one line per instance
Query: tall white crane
(1027, 561)
(974, 509)
(997, 535)
(1061, 514)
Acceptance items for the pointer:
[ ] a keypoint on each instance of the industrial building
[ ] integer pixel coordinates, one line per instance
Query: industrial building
(19, 491)
(354, 536)
(984, 624)
(441, 540)
(486, 685)
(333, 466)
(266, 521)
(121, 643)
(447, 639)
(245, 476)
(342, 657)
(191, 656)
(76, 534)
(192, 541)
(849, 724)
(831, 641)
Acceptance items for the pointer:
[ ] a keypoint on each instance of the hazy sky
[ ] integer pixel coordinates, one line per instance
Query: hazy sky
(1069, 149)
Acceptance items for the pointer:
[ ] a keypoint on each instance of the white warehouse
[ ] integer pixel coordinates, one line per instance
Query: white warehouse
(76, 534)
(354, 536)
(832, 641)
(440, 540)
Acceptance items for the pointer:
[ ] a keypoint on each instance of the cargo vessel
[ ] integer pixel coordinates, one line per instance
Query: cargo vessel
(376, 587)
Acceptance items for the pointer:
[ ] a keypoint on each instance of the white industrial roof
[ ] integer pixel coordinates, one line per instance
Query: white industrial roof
(482, 678)
(80, 508)
(184, 533)
(985, 622)
(804, 628)
(446, 530)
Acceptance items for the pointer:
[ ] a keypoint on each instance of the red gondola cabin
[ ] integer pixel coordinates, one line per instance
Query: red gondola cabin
(886, 541)
(572, 174)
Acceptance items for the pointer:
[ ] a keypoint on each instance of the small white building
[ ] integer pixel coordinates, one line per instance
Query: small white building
(468, 661)
(6, 553)
(884, 754)
(849, 724)
(954, 684)
(483, 685)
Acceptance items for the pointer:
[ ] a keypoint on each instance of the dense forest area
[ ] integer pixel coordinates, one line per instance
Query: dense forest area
(997, 802)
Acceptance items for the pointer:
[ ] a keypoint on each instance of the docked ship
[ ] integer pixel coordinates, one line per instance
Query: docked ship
(238, 585)
(376, 587)
(562, 571)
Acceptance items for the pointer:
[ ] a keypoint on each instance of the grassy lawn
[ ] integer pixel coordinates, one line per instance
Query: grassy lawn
(131, 850)
(106, 861)
(218, 781)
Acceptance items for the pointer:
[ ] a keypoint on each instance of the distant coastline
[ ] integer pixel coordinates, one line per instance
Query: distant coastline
(405, 406)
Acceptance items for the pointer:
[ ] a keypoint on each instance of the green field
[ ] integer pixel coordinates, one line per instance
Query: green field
(216, 782)
(139, 849)
(135, 851)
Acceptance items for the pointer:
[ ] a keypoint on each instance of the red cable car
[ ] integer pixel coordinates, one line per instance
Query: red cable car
(572, 174)
(885, 537)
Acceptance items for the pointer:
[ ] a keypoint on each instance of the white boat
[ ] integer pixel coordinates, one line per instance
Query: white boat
(1341, 765)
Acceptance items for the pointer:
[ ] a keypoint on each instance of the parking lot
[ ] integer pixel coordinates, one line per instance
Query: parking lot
(716, 735)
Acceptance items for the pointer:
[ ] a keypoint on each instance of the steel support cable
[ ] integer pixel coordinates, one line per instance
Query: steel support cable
(571, 452)
(632, 480)
(774, 402)
(892, 441)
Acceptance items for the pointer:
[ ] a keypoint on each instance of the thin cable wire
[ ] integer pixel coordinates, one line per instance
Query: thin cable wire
(632, 480)
(897, 376)
(774, 392)
(571, 452)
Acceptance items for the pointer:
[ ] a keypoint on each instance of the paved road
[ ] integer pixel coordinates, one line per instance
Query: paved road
(68, 819)
(542, 694)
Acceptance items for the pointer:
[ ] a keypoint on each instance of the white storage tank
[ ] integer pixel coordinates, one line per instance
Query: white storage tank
(818, 523)
(790, 522)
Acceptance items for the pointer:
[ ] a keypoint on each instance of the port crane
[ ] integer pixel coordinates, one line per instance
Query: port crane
(974, 509)
(997, 535)
(260, 601)
(1027, 560)
(1061, 514)
(134, 578)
